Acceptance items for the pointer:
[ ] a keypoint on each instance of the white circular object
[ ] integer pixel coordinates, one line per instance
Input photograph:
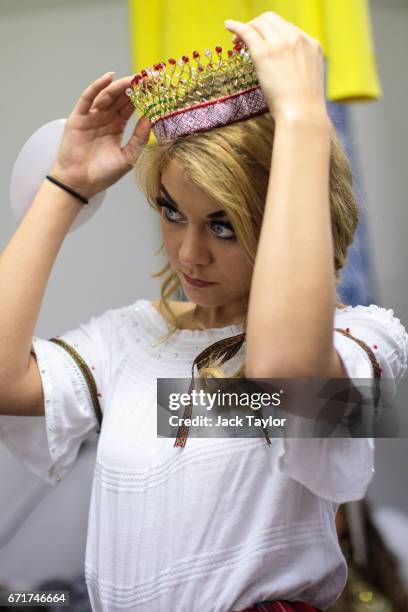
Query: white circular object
(34, 162)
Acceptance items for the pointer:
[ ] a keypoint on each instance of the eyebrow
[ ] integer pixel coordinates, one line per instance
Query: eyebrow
(217, 214)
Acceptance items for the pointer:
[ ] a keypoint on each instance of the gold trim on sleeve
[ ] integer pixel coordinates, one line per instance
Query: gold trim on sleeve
(376, 366)
(87, 374)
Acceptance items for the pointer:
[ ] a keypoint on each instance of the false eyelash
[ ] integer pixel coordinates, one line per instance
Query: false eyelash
(164, 204)
(161, 202)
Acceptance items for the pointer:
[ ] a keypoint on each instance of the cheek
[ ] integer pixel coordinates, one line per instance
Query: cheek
(163, 227)
(234, 263)
(169, 239)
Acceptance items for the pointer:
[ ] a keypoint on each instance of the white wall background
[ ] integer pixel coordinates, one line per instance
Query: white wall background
(50, 50)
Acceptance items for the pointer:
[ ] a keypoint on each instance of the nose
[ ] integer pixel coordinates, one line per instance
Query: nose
(194, 248)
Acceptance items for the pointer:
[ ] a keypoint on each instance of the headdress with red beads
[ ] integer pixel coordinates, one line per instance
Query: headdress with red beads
(181, 99)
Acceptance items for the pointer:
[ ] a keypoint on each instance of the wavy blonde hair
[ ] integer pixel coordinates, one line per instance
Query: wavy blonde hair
(232, 164)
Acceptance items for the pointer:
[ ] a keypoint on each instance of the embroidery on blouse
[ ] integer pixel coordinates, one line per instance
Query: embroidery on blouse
(229, 347)
(224, 349)
(87, 374)
(374, 362)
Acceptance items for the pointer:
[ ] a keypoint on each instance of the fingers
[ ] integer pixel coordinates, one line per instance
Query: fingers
(137, 140)
(121, 101)
(123, 107)
(246, 33)
(280, 24)
(90, 93)
(267, 29)
(269, 26)
(103, 102)
(111, 94)
(288, 31)
(127, 110)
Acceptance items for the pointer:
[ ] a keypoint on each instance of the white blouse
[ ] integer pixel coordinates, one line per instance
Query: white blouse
(221, 523)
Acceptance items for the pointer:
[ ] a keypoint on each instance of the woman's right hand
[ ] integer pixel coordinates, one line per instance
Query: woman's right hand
(91, 157)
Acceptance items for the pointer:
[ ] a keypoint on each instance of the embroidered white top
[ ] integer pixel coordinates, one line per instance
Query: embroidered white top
(222, 523)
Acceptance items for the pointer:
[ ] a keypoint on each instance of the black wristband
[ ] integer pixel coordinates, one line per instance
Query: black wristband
(68, 189)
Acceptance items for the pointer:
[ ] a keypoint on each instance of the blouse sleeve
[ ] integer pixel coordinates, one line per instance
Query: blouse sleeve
(49, 445)
(340, 469)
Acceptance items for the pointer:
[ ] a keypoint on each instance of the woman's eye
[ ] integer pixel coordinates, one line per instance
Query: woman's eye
(168, 212)
(161, 203)
(226, 227)
(173, 216)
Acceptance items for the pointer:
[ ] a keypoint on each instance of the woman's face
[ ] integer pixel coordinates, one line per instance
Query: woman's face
(203, 248)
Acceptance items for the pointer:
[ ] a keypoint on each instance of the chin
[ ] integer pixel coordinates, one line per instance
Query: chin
(203, 300)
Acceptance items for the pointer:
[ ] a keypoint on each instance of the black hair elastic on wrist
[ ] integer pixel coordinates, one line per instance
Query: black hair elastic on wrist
(68, 189)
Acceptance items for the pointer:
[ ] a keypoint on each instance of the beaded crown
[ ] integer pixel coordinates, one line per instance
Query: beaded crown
(180, 98)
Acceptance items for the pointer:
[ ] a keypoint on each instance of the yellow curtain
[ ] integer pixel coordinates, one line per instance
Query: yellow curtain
(161, 29)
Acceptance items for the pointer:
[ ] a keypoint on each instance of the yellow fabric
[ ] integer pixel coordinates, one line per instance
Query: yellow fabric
(171, 28)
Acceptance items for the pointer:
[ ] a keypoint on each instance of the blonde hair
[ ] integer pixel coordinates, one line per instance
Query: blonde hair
(232, 164)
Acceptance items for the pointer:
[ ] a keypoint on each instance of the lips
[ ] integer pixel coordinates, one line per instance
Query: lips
(196, 282)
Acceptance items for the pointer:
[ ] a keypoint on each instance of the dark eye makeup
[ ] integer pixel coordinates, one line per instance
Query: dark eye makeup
(164, 203)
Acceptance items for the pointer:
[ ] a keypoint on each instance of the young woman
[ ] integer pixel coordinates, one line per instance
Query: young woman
(260, 213)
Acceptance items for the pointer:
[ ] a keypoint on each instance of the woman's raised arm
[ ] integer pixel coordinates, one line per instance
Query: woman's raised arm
(90, 159)
(292, 297)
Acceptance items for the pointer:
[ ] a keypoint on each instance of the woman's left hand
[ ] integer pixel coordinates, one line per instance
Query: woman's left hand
(288, 62)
